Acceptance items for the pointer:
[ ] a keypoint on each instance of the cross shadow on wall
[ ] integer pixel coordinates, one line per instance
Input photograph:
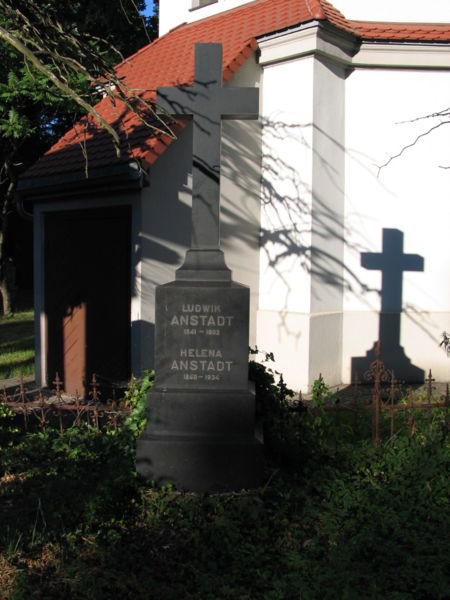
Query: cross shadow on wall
(392, 262)
(286, 198)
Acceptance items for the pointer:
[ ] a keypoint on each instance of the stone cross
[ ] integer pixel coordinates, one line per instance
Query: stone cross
(207, 102)
(200, 430)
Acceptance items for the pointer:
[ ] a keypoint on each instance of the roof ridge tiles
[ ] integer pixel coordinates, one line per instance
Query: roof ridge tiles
(224, 14)
(401, 31)
(247, 49)
(315, 9)
(176, 27)
(400, 24)
(137, 53)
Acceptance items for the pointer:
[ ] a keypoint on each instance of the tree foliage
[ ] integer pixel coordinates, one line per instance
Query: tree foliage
(58, 59)
(337, 517)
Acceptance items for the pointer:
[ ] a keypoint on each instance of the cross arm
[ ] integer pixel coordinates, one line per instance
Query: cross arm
(239, 103)
(176, 101)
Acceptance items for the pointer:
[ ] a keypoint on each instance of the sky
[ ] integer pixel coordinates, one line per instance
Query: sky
(149, 8)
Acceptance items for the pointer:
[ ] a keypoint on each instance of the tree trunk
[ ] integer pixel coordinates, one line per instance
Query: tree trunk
(6, 297)
(7, 271)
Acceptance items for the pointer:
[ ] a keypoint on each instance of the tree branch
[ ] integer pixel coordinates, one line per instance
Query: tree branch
(413, 143)
(31, 56)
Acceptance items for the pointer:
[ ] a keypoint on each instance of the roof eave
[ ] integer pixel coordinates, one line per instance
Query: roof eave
(403, 54)
(125, 176)
(316, 37)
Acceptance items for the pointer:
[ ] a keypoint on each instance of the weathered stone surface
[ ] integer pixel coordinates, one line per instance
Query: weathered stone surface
(200, 463)
(202, 336)
(207, 103)
(201, 413)
(200, 431)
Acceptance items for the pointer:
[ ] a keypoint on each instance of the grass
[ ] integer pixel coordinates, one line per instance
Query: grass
(16, 344)
(335, 519)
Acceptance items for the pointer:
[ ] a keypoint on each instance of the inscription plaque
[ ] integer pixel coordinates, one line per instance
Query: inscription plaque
(202, 343)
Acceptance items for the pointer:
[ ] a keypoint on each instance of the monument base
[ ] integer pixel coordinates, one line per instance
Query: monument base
(394, 359)
(204, 265)
(200, 465)
(201, 441)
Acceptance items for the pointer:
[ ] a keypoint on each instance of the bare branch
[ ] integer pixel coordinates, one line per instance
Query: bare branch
(440, 113)
(125, 12)
(143, 19)
(413, 143)
(61, 54)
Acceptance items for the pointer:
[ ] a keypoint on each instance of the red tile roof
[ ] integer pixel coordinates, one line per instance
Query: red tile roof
(170, 61)
(402, 32)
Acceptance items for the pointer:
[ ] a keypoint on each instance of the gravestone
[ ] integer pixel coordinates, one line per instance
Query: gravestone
(200, 431)
(392, 262)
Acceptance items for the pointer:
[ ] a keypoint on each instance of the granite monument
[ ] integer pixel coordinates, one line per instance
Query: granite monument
(200, 431)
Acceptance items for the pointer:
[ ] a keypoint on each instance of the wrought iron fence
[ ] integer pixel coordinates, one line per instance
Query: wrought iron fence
(53, 406)
(379, 392)
(386, 394)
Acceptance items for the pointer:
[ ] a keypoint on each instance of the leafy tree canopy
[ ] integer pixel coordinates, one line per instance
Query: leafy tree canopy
(57, 58)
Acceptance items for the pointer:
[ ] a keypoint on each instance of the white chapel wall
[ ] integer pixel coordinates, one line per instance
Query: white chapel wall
(300, 318)
(172, 13)
(175, 12)
(327, 227)
(410, 194)
(285, 281)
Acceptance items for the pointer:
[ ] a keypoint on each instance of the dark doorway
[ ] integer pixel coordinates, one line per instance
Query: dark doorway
(87, 297)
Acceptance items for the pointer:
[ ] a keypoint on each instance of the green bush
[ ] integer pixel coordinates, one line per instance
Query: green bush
(136, 398)
(276, 411)
(336, 518)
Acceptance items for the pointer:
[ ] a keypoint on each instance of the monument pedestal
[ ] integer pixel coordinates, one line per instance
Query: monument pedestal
(201, 441)
(200, 431)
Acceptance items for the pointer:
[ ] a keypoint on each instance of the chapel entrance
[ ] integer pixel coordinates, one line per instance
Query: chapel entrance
(87, 297)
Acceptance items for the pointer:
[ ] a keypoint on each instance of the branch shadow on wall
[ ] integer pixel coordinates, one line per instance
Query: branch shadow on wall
(285, 235)
(285, 232)
(290, 211)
